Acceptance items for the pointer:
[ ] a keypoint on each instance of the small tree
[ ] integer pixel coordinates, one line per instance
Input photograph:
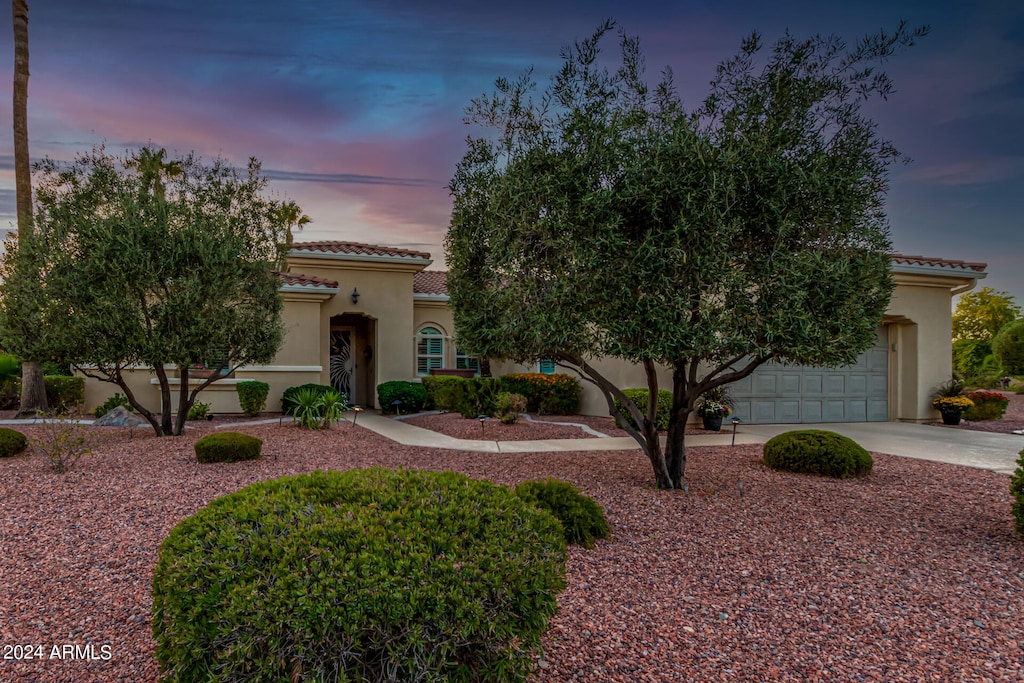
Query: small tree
(1008, 347)
(980, 315)
(603, 220)
(160, 265)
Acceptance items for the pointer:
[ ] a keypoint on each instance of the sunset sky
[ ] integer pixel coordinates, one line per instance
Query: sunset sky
(356, 108)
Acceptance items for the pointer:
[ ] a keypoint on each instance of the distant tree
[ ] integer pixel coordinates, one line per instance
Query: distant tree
(21, 280)
(977, 319)
(602, 220)
(980, 315)
(1008, 347)
(168, 271)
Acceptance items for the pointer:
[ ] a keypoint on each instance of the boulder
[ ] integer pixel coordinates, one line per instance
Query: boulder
(119, 417)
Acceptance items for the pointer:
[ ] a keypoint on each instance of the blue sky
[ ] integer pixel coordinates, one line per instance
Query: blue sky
(356, 108)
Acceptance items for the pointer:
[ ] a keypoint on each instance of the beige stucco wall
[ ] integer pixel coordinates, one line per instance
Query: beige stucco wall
(919, 319)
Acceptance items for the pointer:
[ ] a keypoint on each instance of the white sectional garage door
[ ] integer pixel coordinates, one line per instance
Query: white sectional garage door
(804, 394)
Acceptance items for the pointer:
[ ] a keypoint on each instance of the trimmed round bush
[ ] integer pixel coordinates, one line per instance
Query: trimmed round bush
(816, 451)
(252, 396)
(365, 575)
(228, 447)
(582, 519)
(11, 442)
(412, 395)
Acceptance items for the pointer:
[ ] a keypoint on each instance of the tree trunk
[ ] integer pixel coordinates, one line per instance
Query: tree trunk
(166, 427)
(675, 446)
(183, 403)
(33, 390)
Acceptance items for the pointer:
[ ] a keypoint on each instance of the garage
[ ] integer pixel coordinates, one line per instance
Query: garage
(777, 393)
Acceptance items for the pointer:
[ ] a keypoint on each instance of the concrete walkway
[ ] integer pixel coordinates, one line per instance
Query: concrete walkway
(985, 450)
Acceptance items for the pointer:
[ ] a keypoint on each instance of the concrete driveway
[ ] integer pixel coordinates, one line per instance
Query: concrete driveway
(998, 452)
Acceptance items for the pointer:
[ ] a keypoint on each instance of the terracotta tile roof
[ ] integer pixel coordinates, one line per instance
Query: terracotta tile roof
(305, 280)
(928, 261)
(357, 248)
(430, 282)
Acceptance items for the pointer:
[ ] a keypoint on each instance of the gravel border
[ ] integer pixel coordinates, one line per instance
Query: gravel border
(911, 574)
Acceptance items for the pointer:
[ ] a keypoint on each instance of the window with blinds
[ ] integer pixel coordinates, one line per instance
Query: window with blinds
(429, 350)
(547, 366)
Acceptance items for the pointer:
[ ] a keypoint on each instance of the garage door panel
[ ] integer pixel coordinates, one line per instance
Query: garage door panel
(814, 384)
(811, 411)
(797, 394)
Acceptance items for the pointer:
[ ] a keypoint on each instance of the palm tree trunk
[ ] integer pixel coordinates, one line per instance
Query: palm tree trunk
(33, 393)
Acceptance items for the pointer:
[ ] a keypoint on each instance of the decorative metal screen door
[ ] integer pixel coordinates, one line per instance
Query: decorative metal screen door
(343, 364)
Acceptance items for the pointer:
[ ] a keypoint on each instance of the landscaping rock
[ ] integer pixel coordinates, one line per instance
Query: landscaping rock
(119, 417)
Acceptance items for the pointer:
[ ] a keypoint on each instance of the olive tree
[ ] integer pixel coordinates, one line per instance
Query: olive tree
(601, 219)
(152, 264)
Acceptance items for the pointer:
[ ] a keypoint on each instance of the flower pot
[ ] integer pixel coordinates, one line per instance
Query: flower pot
(951, 418)
(712, 423)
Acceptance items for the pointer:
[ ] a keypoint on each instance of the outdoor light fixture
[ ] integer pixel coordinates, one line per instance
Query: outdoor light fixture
(482, 418)
(736, 421)
(356, 410)
(355, 295)
(398, 406)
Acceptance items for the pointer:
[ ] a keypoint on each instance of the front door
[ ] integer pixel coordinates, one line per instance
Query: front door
(343, 364)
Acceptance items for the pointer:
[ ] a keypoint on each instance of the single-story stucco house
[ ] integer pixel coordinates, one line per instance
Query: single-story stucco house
(358, 314)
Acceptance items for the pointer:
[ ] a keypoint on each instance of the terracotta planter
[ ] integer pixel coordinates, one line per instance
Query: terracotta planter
(952, 418)
(713, 423)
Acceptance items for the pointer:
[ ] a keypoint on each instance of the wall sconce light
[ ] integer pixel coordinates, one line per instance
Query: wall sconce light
(355, 295)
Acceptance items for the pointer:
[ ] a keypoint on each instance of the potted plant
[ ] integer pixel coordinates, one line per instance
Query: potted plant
(949, 401)
(713, 407)
(952, 408)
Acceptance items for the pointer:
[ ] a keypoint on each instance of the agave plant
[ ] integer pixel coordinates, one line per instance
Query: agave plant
(308, 408)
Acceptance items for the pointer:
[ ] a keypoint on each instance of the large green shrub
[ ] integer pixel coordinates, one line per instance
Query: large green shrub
(1017, 491)
(1008, 348)
(477, 396)
(582, 519)
(228, 447)
(365, 575)
(114, 401)
(553, 394)
(412, 395)
(639, 399)
(11, 442)
(988, 405)
(252, 396)
(816, 451)
(442, 392)
(64, 393)
(289, 400)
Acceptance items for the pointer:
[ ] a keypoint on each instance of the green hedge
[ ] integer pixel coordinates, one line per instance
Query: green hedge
(816, 451)
(639, 399)
(252, 396)
(228, 447)
(11, 442)
(364, 575)
(412, 395)
(64, 393)
(442, 392)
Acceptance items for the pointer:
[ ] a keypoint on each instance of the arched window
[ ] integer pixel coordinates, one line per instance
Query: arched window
(429, 350)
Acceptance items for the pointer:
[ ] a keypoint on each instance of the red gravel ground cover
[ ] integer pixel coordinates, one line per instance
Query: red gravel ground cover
(1012, 420)
(539, 427)
(911, 574)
